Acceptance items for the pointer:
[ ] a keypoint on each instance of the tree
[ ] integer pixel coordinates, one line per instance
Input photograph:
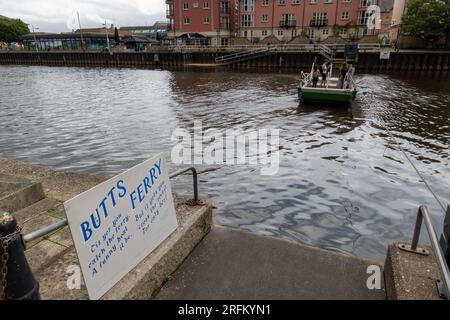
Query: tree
(428, 19)
(12, 29)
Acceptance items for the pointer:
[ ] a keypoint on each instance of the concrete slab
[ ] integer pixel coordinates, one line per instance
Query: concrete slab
(411, 276)
(10, 184)
(42, 255)
(234, 264)
(17, 192)
(56, 184)
(46, 205)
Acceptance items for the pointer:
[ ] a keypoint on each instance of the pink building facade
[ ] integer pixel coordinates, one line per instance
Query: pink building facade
(218, 22)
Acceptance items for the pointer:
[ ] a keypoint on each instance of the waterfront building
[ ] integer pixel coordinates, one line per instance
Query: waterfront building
(220, 22)
(66, 41)
(397, 13)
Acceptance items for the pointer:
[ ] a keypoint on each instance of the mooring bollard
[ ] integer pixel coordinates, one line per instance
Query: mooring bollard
(16, 279)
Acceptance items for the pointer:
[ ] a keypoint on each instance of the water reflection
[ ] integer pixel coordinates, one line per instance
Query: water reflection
(342, 183)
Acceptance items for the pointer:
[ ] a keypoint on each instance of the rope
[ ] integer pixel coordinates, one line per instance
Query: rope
(409, 160)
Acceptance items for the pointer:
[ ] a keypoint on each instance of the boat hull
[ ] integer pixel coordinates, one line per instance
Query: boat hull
(326, 97)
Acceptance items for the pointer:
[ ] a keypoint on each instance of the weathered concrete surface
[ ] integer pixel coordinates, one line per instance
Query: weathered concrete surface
(234, 264)
(57, 185)
(17, 193)
(50, 256)
(411, 276)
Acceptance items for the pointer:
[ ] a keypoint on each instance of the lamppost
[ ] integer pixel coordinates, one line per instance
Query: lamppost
(34, 36)
(107, 38)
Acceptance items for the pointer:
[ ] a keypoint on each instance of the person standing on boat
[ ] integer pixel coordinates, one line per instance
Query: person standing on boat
(324, 71)
(315, 76)
(342, 73)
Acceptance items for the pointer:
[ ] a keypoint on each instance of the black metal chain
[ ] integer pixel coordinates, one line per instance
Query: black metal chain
(5, 242)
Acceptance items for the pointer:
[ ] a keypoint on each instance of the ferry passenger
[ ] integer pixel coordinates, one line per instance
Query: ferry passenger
(342, 73)
(324, 71)
(315, 76)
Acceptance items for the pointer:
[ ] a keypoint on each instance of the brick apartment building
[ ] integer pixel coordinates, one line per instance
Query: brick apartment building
(219, 22)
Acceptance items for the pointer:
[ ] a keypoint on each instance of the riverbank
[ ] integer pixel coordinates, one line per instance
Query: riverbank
(368, 61)
(226, 264)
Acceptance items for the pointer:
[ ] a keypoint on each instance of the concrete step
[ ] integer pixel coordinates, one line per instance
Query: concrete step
(17, 193)
(39, 215)
(411, 276)
(234, 264)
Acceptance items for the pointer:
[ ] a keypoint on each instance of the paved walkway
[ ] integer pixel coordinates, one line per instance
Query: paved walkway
(234, 264)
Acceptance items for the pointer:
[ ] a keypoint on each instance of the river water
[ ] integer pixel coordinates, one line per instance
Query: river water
(342, 183)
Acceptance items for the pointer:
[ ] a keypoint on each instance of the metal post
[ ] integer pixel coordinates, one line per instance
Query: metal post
(81, 31)
(417, 227)
(17, 280)
(34, 36)
(107, 38)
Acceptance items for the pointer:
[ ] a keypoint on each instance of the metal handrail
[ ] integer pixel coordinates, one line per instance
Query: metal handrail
(242, 54)
(423, 214)
(62, 223)
(194, 179)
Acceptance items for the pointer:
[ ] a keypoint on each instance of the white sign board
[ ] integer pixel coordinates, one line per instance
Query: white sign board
(120, 221)
(385, 53)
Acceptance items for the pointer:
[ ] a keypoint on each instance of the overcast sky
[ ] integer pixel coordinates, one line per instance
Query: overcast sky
(60, 15)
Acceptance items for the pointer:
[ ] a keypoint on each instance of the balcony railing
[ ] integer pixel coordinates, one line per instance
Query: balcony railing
(288, 23)
(318, 23)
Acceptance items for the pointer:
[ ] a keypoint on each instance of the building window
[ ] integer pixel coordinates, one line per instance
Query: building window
(224, 7)
(343, 32)
(313, 1)
(264, 33)
(247, 5)
(224, 22)
(345, 15)
(319, 19)
(363, 17)
(206, 5)
(265, 2)
(195, 4)
(224, 42)
(185, 6)
(264, 18)
(325, 32)
(346, 1)
(280, 33)
(186, 20)
(295, 1)
(365, 3)
(281, 2)
(287, 20)
(328, 1)
(247, 20)
(206, 20)
(310, 33)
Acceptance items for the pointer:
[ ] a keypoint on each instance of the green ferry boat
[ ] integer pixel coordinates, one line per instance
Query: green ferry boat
(331, 93)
